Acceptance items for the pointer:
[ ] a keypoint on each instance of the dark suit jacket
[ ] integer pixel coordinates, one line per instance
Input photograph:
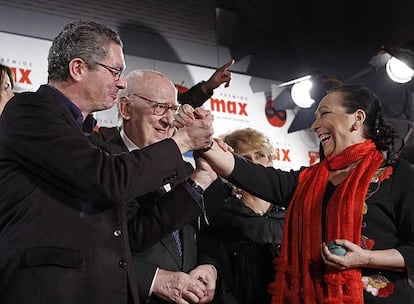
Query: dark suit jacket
(64, 234)
(164, 254)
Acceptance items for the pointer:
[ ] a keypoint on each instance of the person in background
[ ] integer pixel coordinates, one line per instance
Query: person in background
(147, 106)
(199, 93)
(195, 96)
(245, 232)
(359, 200)
(68, 215)
(6, 86)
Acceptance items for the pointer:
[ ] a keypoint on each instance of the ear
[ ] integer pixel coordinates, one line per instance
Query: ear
(360, 117)
(77, 68)
(124, 108)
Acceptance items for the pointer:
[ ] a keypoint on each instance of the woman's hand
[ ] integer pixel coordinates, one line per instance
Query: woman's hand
(355, 256)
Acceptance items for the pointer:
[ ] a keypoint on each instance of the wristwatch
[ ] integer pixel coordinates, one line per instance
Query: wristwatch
(207, 148)
(196, 186)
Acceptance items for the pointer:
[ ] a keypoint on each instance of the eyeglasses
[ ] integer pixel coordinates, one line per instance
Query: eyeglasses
(116, 72)
(160, 108)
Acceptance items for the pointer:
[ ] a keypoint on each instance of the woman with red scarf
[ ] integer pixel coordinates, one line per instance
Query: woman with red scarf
(361, 197)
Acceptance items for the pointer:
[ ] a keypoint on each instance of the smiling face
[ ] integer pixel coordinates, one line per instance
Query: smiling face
(140, 123)
(336, 129)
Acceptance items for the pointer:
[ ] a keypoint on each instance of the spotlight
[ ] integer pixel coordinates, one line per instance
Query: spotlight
(301, 94)
(398, 71)
(305, 94)
(301, 91)
(400, 67)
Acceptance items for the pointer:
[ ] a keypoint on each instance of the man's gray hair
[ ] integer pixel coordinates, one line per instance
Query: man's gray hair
(80, 39)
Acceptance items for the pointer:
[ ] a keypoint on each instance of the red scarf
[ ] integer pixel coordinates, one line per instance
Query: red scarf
(301, 276)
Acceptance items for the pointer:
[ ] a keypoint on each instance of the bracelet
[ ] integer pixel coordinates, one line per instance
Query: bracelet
(196, 186)
(208, 148)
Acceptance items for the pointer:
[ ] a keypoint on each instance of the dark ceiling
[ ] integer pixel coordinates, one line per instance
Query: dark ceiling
(336, 37)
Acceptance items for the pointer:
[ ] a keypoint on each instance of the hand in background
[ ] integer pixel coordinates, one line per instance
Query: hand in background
(178, 287)
(221, 75)
(207, 274)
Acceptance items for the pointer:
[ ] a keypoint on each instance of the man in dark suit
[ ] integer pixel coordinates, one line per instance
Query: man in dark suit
(147, 106)
(67, 212)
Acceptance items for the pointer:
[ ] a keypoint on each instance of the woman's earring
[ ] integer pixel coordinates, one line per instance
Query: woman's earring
(354, 127)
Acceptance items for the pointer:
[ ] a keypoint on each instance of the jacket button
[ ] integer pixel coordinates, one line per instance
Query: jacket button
(122, 263)
(118, 232)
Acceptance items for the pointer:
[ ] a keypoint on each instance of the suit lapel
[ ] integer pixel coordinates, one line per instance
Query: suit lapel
(169, 243)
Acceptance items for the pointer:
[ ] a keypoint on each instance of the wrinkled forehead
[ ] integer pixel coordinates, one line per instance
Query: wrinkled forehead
(160, 91)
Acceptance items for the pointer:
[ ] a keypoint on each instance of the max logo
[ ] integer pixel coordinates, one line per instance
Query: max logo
(285, 152)
(21, 75)
(232, 107)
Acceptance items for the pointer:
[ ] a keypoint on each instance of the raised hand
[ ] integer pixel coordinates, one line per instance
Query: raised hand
(203, 174)
(195, 128)
(221, 75)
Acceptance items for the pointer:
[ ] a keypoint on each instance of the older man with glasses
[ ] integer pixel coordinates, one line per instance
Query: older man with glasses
(168, 270)
(68, 218)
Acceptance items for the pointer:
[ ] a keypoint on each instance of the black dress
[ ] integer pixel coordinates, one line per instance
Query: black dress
(245, 245)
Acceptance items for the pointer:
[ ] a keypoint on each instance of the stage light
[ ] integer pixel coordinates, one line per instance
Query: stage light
(305, 95)
(400, 67)
(398, 71)
(301, 91)
(301, 94)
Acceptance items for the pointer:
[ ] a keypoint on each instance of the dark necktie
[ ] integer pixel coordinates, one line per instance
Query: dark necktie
(176, 233)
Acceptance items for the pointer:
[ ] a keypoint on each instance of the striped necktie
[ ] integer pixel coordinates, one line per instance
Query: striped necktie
(176, 235)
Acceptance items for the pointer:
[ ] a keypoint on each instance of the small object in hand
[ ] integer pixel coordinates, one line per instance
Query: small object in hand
(336, 249)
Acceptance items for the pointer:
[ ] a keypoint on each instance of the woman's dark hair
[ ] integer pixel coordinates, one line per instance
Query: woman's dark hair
(359, 97)
(6, 70)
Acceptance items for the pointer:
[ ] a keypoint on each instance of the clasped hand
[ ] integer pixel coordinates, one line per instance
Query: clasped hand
(196, 126)
(178, 287)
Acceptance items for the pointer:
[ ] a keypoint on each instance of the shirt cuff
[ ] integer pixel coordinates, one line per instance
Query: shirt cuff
(153, 282)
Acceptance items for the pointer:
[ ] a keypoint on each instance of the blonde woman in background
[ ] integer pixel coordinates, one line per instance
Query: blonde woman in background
(245, 232)
(6, 86)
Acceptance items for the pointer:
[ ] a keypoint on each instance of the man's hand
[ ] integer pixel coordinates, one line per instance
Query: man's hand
(207, 274)
(203, 174)
(195, 128)
(221, 75)
(179, 287)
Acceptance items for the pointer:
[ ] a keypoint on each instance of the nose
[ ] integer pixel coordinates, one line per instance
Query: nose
(315, 125)
(121, 83)
(169, 117)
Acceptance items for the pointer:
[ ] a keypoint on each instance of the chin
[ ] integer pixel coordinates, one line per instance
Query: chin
(327, 153)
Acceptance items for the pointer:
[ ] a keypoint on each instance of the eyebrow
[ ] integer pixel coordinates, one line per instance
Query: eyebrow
(321, 108)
